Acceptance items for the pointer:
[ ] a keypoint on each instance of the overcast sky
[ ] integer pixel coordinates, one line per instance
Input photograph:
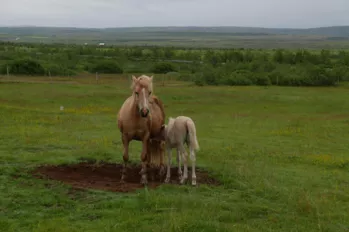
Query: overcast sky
(129, 13)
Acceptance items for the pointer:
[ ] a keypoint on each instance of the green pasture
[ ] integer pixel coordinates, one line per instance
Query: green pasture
(282, 154)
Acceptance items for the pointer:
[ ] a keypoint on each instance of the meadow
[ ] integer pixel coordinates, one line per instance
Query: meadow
(281, 154)
(335, 37)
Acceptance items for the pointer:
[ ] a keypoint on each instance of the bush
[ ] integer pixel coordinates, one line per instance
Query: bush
(3, 69)
(26, 67)
(290, 80)
(187, 77)
(319, 76)
(262, 79)
(107, 66)
(210, 76)
(199, 81)
(237, 80)
(57, 70)
(162, 68)
(275, 77)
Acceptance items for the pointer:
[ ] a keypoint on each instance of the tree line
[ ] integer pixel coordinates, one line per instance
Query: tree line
(202, 66)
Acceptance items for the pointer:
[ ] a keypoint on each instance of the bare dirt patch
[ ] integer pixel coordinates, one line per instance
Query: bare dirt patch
(106, 176)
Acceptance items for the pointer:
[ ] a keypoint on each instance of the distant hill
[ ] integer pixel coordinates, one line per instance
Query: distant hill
(341, 31)
(212, 36)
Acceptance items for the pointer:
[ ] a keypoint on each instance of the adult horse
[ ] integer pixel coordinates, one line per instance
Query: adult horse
(141, 117)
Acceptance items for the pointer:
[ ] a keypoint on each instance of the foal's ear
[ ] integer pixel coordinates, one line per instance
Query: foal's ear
(134, 78)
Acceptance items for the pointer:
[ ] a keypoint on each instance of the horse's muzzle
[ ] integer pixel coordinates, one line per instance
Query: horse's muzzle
(144, 112)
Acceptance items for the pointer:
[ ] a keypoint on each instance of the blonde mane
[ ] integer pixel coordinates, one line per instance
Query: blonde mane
(144, 81)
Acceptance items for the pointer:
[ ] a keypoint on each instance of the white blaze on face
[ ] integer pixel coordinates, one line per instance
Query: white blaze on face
(145, 103)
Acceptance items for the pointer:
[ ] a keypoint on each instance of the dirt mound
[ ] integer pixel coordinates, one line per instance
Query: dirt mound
(106, 176)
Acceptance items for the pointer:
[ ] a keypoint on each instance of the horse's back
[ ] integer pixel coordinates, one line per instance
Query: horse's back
(181, 120)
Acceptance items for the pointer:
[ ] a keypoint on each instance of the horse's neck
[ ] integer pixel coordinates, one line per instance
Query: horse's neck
(133, 104)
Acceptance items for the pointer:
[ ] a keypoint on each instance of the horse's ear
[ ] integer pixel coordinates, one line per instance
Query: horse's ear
(134, 78)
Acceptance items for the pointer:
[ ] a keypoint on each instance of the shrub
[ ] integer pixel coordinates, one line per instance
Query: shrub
(199, 81)
(26, 67)
(3, 69)
(262, 79)
(56, 70)
(237, 80)
(275, 77)
(163, 68)
(319, 76)
(107, 66)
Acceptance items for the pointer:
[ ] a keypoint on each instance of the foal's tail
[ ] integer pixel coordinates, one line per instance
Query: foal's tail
(193, 142)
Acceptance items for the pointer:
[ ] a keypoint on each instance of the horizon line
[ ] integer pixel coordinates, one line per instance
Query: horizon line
(192, 26)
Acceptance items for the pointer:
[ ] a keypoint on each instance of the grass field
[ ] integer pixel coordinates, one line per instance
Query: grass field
(189, 37)
(282, 154)
(202, 41)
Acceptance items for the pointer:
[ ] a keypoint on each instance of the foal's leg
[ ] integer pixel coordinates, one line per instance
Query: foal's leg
(162, 166)
(125, 142)
(193, 159)
(185, 162)
(144, 154)
(169, 158)
(179, 164)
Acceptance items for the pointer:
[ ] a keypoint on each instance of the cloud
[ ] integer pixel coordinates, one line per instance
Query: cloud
(116, 13)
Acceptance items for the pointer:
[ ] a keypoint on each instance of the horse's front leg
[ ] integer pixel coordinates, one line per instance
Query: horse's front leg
(125, 142)
(169, 157)
(144, 160)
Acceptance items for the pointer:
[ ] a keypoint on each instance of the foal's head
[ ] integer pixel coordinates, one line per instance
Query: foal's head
(142, 89)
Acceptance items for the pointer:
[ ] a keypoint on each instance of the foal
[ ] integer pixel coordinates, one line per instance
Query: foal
(179, 131)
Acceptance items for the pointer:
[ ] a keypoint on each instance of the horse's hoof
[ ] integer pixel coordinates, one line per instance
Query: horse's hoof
(167, 180)
(144, 181)
(182, 181)
(122, 180)
(193, 182)
(162, 171)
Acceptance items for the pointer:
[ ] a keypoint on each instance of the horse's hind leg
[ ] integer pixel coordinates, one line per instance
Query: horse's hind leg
(125, 142)
(179, 164)
(185, 164)
(193, 159)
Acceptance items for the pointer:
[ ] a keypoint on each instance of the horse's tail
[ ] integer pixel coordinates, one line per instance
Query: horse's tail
(193, 142)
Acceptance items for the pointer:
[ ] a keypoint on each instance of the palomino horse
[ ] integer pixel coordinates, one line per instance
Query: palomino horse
(140, 118)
